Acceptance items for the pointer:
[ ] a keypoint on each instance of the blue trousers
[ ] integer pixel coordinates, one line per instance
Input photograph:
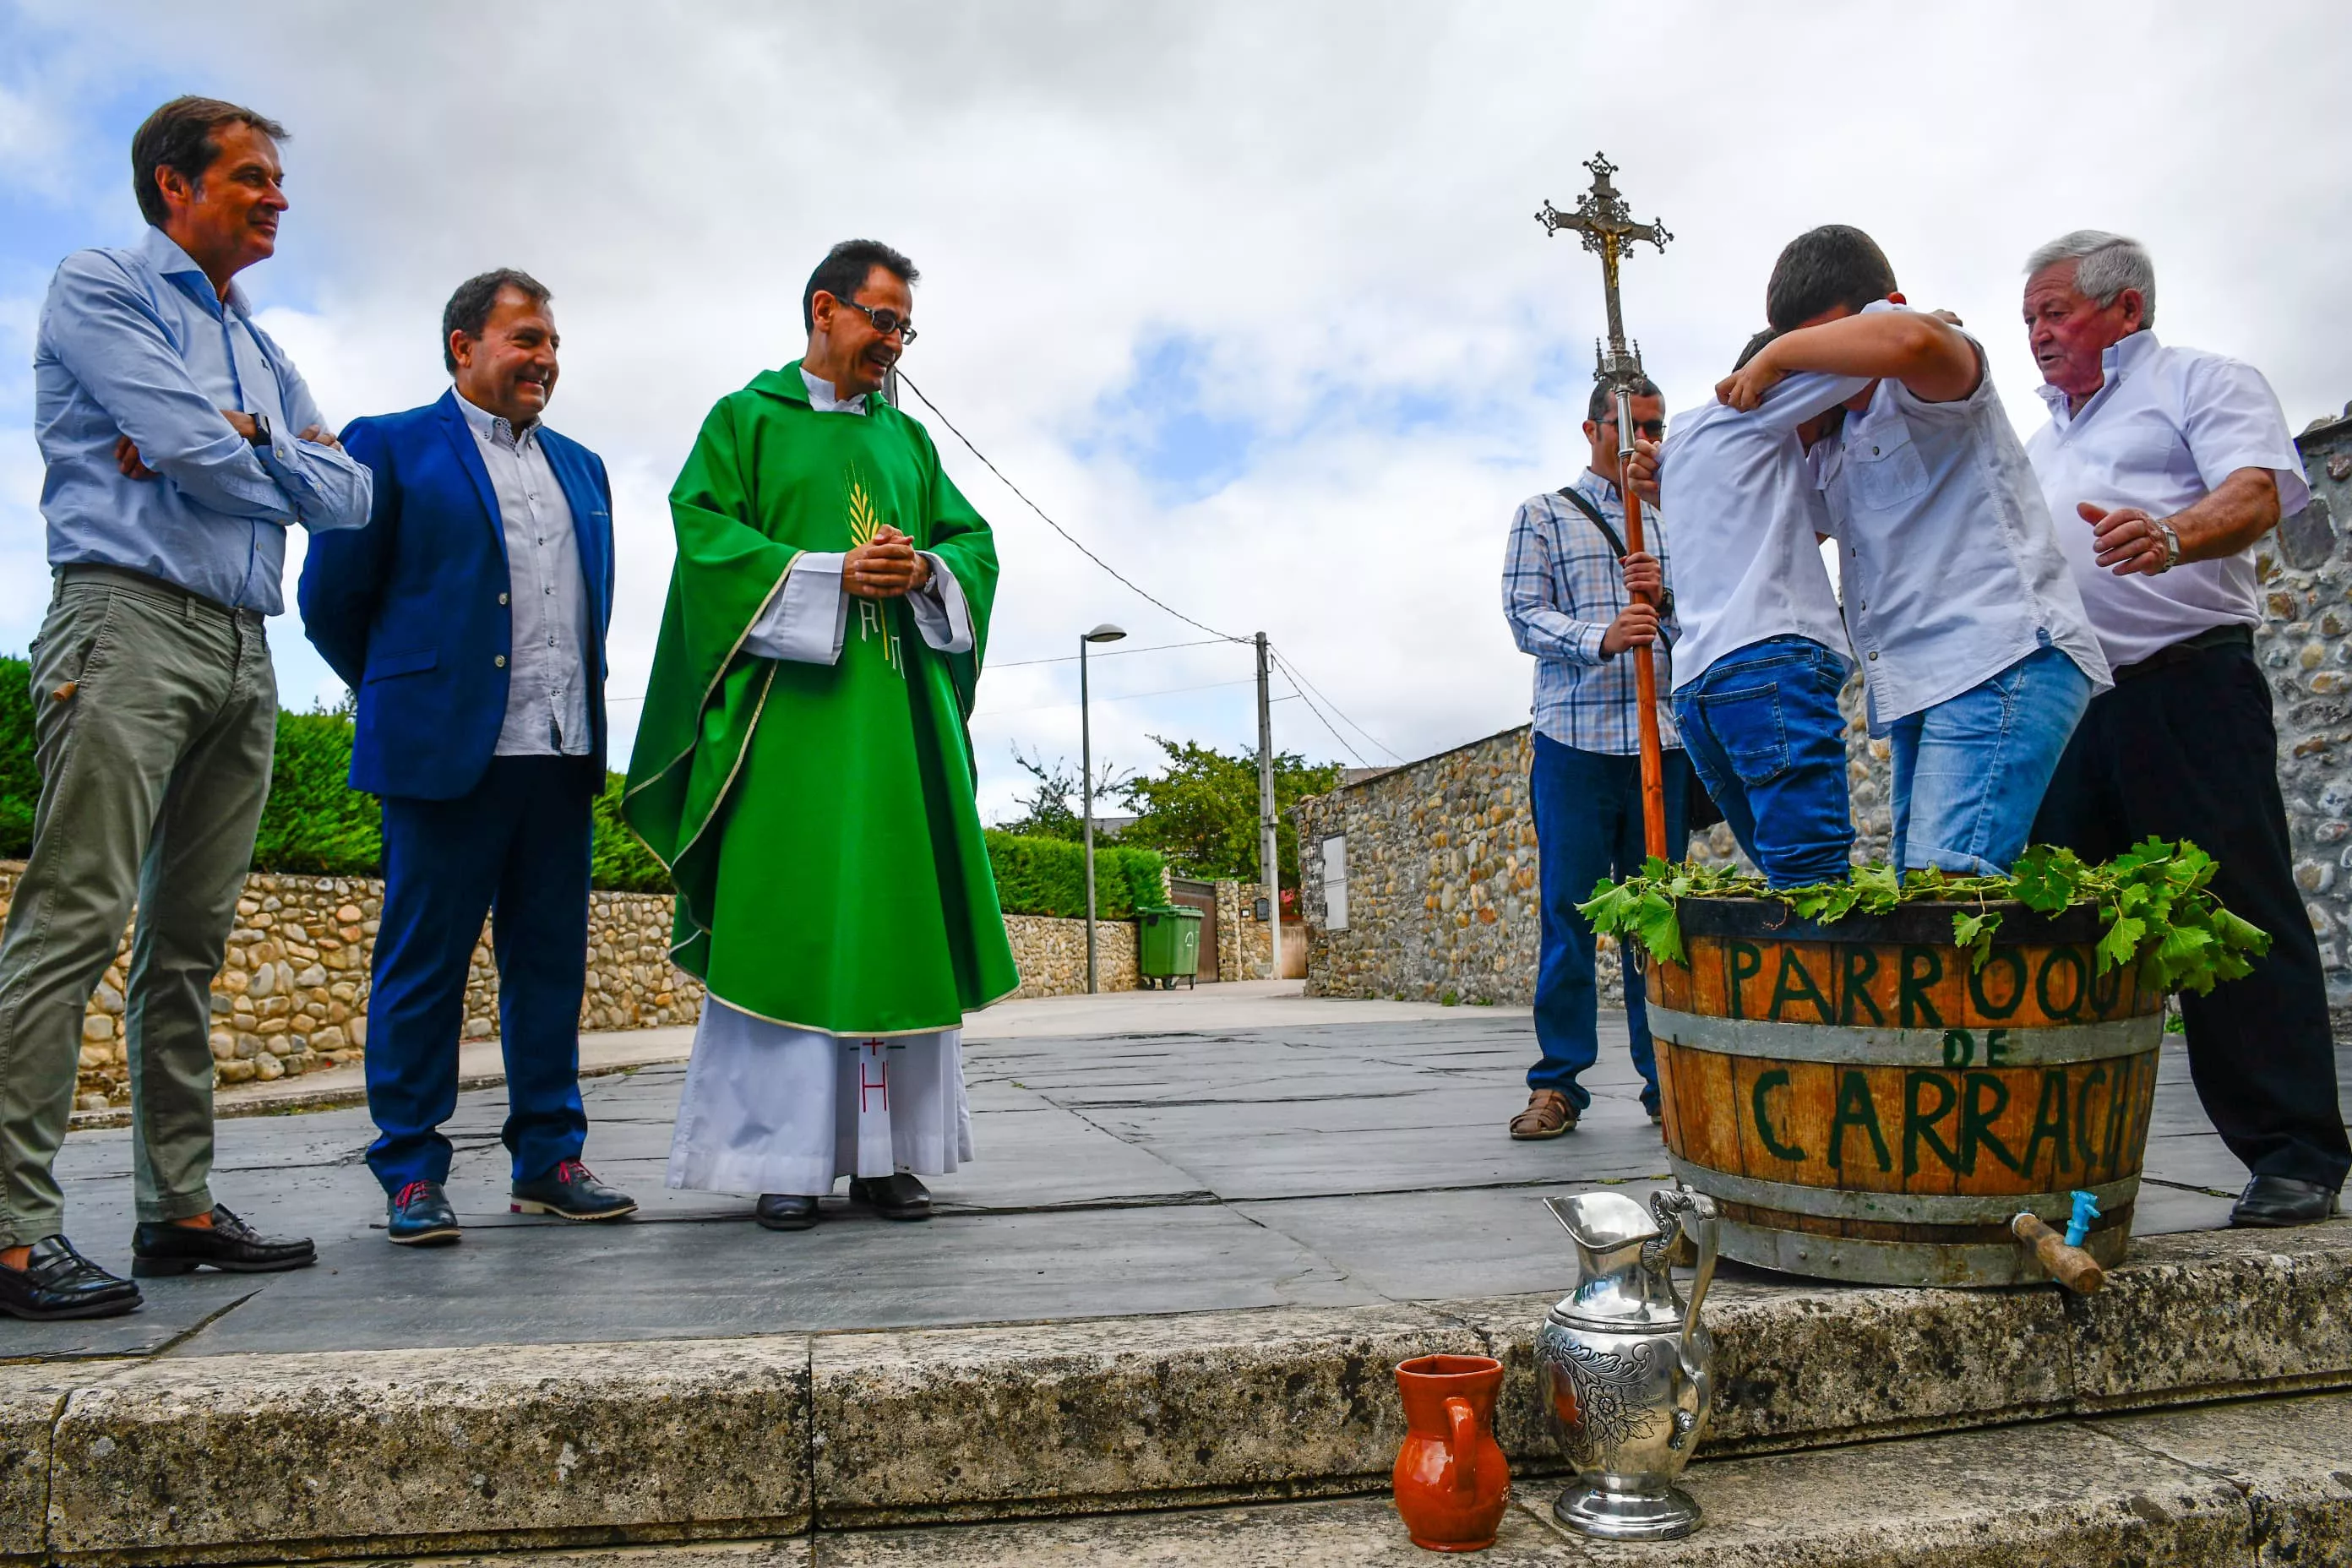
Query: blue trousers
(1762, 727)
(516, 849)
(1587, 809)
(1969, 773)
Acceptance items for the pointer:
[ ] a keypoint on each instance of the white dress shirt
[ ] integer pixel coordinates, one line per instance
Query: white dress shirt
(547, 669)
(1952, 569)
(808, 618)
(1745, 511)
(2168, 425)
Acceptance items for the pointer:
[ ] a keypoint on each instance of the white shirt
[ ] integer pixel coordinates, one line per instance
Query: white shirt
(1953, 571)
(809, 616)
(547, 667)
(2168, 425)
(1746, 510)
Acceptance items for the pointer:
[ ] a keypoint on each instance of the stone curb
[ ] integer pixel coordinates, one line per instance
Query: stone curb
(289, 1457)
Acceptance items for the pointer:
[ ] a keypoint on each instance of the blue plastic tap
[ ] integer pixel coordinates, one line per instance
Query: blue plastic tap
(2086, 1209)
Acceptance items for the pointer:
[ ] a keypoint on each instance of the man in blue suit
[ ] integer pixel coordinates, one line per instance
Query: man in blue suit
(469, 615)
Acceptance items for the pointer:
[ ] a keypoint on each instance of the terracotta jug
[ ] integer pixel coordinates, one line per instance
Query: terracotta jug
(1452, 1482)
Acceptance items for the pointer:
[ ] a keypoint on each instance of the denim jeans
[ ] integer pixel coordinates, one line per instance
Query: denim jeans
(1588, 808)
(1969, 773)
(1762, 726)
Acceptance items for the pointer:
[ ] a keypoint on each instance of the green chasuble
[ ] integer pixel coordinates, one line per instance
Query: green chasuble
(819, 820)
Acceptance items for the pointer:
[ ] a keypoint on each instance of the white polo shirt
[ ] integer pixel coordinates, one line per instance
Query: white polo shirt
(1746, 510)
(1952, 568)
(2167, 426)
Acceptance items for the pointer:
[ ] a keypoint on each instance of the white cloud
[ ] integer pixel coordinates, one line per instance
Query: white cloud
(1331, 203)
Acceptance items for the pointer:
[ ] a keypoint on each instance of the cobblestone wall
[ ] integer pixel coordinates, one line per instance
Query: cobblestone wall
(2306, 644)
(291, 997)
(1052, 953)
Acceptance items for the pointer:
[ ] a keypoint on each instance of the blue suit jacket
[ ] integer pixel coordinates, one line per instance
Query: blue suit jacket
(411, 610)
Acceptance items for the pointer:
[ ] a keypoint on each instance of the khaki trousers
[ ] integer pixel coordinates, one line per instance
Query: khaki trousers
(155, 713)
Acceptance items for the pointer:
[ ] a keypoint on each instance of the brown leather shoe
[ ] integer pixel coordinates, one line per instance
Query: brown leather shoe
(1549, 1115)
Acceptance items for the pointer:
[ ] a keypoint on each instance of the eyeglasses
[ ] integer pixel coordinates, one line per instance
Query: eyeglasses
(885, 319)
(1655, 429)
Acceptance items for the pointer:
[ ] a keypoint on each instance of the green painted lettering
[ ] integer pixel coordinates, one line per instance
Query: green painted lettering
(2090, 1080)
(1747, 964)
(1976, 1119)
(1996, 1047)
(2059, 957)
(1959, 1048)
(1853, 988)
(1766, 1082)
(2007, 960)
(2049, 1122)
(1919, 1123)
(1922, 967)
(1795, 983)
(1856, 1108)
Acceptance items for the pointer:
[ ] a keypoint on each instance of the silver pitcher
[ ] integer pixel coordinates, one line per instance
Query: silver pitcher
(1626, 1369)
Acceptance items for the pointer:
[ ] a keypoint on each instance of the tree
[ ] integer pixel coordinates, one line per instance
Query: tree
(1051, 808)
(1200, 810)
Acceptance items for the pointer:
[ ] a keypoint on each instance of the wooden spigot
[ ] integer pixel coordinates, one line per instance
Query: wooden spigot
(2070, 1265)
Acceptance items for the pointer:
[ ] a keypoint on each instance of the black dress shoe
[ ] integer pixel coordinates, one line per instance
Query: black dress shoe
(570, 1192)
(58, 1282)
(419, 1216)
(896, 1196)
(159, 1248)
(786, 1211)
(2273, 1202)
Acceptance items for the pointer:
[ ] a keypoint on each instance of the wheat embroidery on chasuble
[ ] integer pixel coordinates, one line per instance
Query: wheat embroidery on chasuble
(865, 521)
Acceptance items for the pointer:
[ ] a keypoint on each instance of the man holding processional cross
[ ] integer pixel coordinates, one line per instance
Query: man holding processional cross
(1586, 593)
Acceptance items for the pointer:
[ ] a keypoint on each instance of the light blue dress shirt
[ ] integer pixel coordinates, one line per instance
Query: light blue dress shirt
(136, 342)
(547, 676)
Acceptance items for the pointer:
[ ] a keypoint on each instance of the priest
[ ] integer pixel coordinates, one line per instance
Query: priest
(803, 768)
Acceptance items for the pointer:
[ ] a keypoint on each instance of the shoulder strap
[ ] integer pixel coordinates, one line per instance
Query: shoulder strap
(1576, 498)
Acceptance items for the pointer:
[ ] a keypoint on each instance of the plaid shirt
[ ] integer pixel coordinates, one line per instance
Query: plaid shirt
(1561, 587)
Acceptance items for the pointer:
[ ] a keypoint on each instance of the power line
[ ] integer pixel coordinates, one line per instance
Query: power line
(1327, 724)
(1128, 696)
(1291, 671)
(1107, 653)
(1058, 528)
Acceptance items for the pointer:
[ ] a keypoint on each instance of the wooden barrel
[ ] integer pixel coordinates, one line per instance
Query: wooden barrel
(1864, 1104)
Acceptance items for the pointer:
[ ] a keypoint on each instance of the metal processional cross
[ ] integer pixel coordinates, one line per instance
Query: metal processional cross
(1606, 225)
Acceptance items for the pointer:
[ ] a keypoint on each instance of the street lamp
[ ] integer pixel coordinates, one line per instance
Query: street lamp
(1103, 633)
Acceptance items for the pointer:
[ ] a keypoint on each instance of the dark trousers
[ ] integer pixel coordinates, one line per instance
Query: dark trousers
(2188, 751)
(517, 849)
(1587, 809)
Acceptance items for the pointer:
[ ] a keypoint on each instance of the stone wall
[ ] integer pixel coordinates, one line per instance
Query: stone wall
(1052, 953)
(2305, 643)
(1245, 948)
(1440, 862)
(291, 997)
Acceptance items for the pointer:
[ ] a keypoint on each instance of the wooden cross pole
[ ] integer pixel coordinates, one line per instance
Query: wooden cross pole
(1607, 227)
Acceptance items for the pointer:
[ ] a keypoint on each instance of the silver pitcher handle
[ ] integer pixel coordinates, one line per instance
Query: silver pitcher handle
(1694, 1216)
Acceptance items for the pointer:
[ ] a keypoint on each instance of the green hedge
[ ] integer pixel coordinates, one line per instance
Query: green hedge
(315, 824)
(1048, 877)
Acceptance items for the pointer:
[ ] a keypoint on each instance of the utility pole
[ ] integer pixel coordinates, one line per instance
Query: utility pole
(1104, 633)
(1269, 862)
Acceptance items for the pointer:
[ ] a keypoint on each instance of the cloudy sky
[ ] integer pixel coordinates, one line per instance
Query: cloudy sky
(1248, 296)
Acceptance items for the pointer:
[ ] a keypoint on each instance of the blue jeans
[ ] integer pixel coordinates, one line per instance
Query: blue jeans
(1762, 726)
(1588, 808)
(1969, 773)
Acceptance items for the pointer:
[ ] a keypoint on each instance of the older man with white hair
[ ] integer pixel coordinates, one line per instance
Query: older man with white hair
(2176, 461)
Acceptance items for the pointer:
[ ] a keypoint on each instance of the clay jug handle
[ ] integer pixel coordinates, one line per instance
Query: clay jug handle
(1465, 1423)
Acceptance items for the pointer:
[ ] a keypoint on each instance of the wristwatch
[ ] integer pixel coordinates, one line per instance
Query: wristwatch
(260, 431)
(2172, 546)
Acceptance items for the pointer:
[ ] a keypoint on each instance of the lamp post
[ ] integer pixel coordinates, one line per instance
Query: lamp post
(1103, 633)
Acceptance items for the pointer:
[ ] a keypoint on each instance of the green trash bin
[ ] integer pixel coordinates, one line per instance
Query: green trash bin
(1168, 945)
